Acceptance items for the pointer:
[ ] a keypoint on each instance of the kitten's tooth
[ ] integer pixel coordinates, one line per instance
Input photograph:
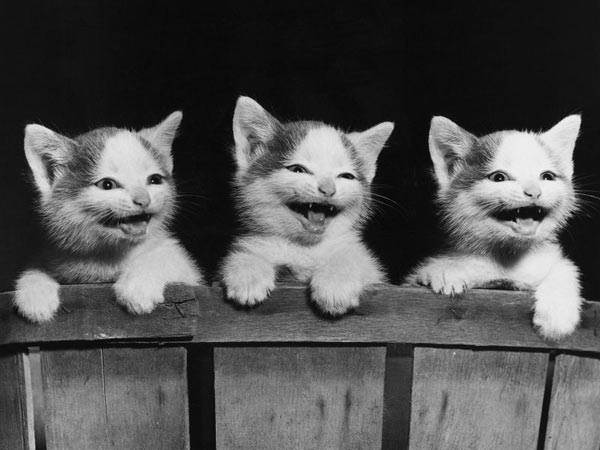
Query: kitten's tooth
(310, 206)
(331, 209)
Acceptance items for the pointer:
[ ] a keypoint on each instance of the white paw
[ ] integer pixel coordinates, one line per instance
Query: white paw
(249, 284)
(556, 321)
(190, 275)
(333, 297)
(36, 297)
(139, 294)
(443, 277)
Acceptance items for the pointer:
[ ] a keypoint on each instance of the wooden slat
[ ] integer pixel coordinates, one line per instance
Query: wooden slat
(391, 314)
(574, 417)
(129, 398)
(299, 397)
(476, 399)
(90, 313)
(388, 314)
(16, 403)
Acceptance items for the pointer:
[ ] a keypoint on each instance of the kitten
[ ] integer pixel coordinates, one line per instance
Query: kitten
(503, 199)
(303, 193)
(106, 198)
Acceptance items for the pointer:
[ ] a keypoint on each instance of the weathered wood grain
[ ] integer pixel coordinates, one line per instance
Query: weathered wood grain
(574, 416)
(299, 397)
(90, 313)
(464, 399)
(126, 398)
(391, 314)
(16, 402)
(388, 314)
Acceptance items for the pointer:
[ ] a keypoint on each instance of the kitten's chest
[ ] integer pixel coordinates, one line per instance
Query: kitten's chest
(534, 268)
(86, 271)
(302, 264)
(304, 261)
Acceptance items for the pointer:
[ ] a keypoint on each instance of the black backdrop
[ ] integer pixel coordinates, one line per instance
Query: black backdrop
(75, 65)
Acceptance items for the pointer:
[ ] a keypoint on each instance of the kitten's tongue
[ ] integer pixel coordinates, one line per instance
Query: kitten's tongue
(315, 217)
(526, 227)
(316, 221)
(137, 228)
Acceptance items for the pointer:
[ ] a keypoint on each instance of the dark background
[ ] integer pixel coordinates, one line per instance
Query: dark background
(77, 65)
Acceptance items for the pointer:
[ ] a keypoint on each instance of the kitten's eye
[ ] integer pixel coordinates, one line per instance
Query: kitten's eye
(107, 184)
(297, 168)
(498, 176)
(155, 179)
(549, 176)
(347, 176)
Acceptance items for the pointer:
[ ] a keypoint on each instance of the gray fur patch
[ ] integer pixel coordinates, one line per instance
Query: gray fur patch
(356, 159)
(556, 159)
(160, 157)
(84, 157)
(286, 139)
(476, 164)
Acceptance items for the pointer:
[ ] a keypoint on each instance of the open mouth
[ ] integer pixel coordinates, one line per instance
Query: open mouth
(135, 225)
(316, 215)
(523, 220)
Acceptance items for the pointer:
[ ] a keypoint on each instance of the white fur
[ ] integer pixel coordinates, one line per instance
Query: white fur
(251, 123)
(338, 269)
(523, 159)
(126, 161)
(125, 156)
(446, 141)
(42, 144)
(369, 144)
(36, 296)
(544, 270)
(537, 262)
(335, 262)
(322, 149)
(141, 265)
(561, 139)
(162, 136)
(148, 269)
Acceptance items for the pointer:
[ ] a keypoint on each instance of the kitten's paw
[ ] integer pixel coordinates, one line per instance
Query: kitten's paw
(554, 322)
(443, 277)
(36, 297)
(189, 275)
(335, 298)
(249, 284)
(139, 295)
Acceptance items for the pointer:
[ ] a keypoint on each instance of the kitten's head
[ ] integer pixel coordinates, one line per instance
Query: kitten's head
(508, 189)
(302, 180)
(105, 188)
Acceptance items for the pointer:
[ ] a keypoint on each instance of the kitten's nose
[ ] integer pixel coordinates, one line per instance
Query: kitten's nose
(327, 187)
(140, 197)
(532, 190)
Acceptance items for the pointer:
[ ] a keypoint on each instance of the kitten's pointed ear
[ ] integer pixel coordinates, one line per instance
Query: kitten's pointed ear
(252, 126)
(448, 144)
(562, 136)
(369, 144)
(46, 151)
(162, 136)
